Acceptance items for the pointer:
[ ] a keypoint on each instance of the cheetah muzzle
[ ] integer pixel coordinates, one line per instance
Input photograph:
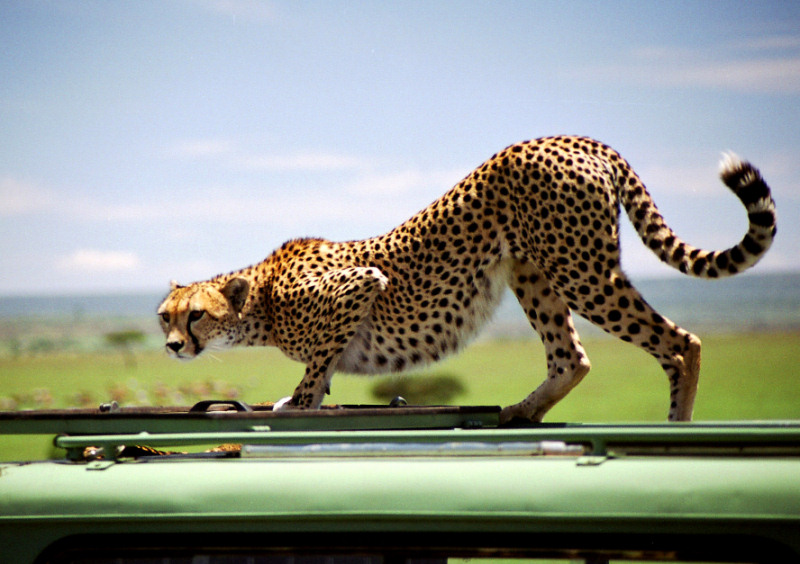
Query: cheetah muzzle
(540, 217)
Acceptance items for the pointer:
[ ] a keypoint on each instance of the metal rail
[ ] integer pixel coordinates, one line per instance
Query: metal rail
(112, 427)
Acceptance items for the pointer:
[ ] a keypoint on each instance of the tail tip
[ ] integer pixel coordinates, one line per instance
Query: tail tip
(730, 163)
(741, 176)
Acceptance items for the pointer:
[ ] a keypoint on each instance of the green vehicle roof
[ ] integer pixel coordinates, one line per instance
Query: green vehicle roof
(391, 471)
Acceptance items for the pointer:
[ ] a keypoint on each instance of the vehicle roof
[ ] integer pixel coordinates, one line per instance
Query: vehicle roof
(402, 469)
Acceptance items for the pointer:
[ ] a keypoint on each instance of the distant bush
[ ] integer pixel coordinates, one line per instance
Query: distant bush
(46, 345)
(124, 341)
(127, 394)
(419, 390)
(39, 398)
(126, 338)
(132, 393)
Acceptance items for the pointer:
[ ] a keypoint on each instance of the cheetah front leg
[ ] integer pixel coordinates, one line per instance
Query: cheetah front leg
(567, 362)
(351, 292)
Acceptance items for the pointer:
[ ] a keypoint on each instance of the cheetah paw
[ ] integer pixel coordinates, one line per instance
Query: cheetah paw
(519, 412)
(283, 404)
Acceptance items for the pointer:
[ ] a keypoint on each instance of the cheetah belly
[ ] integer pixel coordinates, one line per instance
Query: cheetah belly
(383, 345)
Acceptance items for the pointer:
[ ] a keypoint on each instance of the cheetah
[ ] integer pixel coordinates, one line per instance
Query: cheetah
(540, 217)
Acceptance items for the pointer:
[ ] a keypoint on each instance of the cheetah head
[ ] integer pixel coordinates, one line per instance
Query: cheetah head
(201, 316)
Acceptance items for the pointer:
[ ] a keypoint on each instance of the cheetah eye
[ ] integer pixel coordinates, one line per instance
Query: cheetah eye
(164, 317)
(196, 315)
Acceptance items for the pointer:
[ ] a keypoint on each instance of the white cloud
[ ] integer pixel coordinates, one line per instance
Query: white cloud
(309, 161)
(772, 42)
(226, 153)
(200, 148)
(248, 10)
(404, 182)
(762, 76)
(358, 189)
(364, 196)
(93, 261)
(18, 197)
(768, 65)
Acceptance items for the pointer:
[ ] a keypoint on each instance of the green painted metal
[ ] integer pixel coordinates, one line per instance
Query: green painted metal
(183, 420)
(488, 494)
(601, 439)
(164, 427)
(378, 488)
(461, 474)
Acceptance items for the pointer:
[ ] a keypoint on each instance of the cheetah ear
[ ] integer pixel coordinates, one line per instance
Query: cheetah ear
(235, 291)
(173, 285)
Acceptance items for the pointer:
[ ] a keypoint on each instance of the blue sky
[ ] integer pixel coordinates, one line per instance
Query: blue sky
(145, 141)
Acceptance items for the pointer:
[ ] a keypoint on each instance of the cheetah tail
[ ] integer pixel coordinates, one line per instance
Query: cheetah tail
(747, 183)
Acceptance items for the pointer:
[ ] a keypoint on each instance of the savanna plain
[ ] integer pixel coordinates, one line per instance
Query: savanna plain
(744, 376)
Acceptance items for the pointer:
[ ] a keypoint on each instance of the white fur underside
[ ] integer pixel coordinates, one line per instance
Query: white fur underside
(480, 311)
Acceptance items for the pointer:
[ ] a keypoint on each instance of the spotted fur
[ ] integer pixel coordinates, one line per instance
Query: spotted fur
(540, 217)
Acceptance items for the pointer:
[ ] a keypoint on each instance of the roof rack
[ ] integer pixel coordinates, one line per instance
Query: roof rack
(235, 416)
(214, 422)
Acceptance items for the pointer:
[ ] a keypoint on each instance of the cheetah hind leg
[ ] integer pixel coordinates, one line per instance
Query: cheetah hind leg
(567, 362)
(353, 291)
(631, 319)
(684, 385)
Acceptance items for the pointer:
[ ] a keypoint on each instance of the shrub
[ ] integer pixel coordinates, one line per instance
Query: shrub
(419, 389)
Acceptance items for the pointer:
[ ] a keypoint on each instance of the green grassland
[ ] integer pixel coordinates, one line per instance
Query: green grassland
(745, 376)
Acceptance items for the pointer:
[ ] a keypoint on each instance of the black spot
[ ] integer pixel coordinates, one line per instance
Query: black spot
(699, 265)
(751, 192)
(762, 219)
(751, 246)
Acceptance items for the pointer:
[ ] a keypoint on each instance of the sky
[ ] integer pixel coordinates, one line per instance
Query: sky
(147, 141)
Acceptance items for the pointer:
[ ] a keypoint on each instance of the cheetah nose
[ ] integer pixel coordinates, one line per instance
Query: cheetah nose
(175, 345)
